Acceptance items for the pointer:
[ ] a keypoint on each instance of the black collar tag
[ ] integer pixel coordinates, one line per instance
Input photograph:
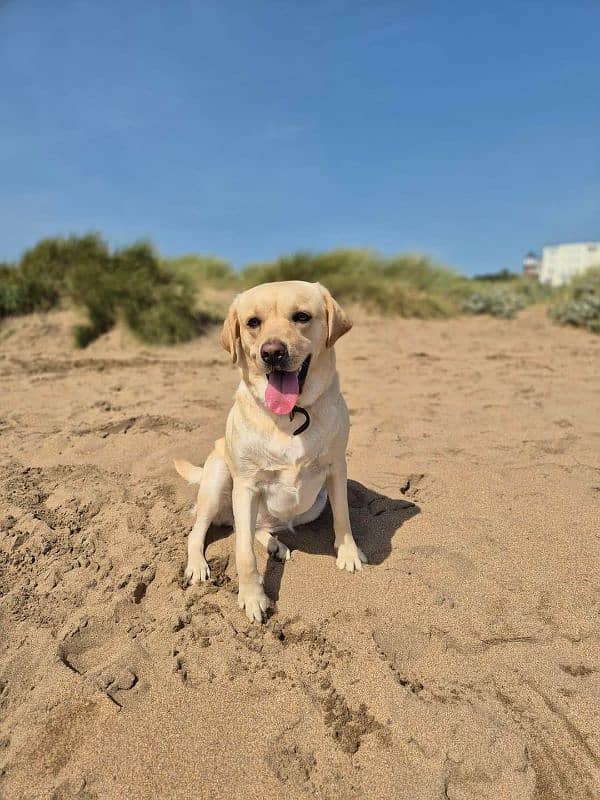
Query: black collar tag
(306, 422)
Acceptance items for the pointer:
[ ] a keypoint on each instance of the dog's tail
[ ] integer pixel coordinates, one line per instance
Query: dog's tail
(188, 471)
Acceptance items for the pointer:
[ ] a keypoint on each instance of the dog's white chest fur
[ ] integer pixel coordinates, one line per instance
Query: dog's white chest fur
(291, 491)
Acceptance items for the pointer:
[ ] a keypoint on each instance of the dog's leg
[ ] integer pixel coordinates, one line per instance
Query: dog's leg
(245, 508)
(278, 549)
(272, 544)
(349, 557)
(214, 488)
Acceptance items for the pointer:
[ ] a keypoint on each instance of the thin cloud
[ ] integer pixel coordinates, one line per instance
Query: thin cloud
(284, 132)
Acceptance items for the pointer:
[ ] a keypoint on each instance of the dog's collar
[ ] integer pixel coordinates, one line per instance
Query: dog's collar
(306, 422)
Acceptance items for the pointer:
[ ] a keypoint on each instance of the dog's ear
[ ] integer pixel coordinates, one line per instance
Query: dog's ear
(231, 332)
(337, 320)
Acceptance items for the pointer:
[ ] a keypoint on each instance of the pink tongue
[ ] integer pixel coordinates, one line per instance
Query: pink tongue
(282, 392)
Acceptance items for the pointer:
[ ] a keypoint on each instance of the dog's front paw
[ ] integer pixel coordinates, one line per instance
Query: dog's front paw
(350, 558)
(196, 571)
(252, 598)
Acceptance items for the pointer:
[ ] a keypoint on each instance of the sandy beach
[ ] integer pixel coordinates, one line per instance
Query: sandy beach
(461, 664)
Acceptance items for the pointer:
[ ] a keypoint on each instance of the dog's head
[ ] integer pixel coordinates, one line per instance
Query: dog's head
(282, 335)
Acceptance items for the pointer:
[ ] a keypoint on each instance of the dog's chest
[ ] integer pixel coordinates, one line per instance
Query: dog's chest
(291, 492)
(291, 486)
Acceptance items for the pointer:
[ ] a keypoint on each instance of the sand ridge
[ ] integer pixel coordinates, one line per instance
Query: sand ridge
(462, 663)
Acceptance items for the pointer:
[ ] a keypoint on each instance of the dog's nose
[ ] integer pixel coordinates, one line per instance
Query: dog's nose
(273, 352)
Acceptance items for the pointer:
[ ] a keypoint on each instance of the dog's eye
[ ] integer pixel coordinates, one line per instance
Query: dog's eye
(253, 322)
(301, 316)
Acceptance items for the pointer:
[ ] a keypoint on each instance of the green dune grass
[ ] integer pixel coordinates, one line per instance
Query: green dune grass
(169, 300)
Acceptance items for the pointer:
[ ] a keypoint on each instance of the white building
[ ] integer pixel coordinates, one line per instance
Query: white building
(561, 262)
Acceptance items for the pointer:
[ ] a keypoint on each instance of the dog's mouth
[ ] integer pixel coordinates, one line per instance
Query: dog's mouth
(284, 388)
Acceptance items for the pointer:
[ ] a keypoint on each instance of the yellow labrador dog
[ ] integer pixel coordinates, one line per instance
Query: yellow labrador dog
(284, 449)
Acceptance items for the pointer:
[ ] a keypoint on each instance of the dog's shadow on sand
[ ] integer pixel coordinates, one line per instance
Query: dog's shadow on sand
(374, 517)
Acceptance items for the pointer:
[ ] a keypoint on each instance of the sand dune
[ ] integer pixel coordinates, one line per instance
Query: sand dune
(463, 663)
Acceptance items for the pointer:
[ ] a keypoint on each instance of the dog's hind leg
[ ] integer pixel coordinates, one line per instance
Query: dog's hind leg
(272, 544)
(270, 526)
(214, 497)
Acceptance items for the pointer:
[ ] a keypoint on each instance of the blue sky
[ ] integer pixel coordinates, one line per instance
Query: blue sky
(467, 130)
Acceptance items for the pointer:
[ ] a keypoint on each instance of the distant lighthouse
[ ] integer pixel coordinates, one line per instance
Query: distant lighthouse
(531, 265)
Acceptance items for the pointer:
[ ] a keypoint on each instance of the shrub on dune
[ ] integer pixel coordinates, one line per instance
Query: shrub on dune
(497, 303)
(44, 269)
(156, 304)
(503, 294)
(580, 305)
(10, 294)
(401, 299)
